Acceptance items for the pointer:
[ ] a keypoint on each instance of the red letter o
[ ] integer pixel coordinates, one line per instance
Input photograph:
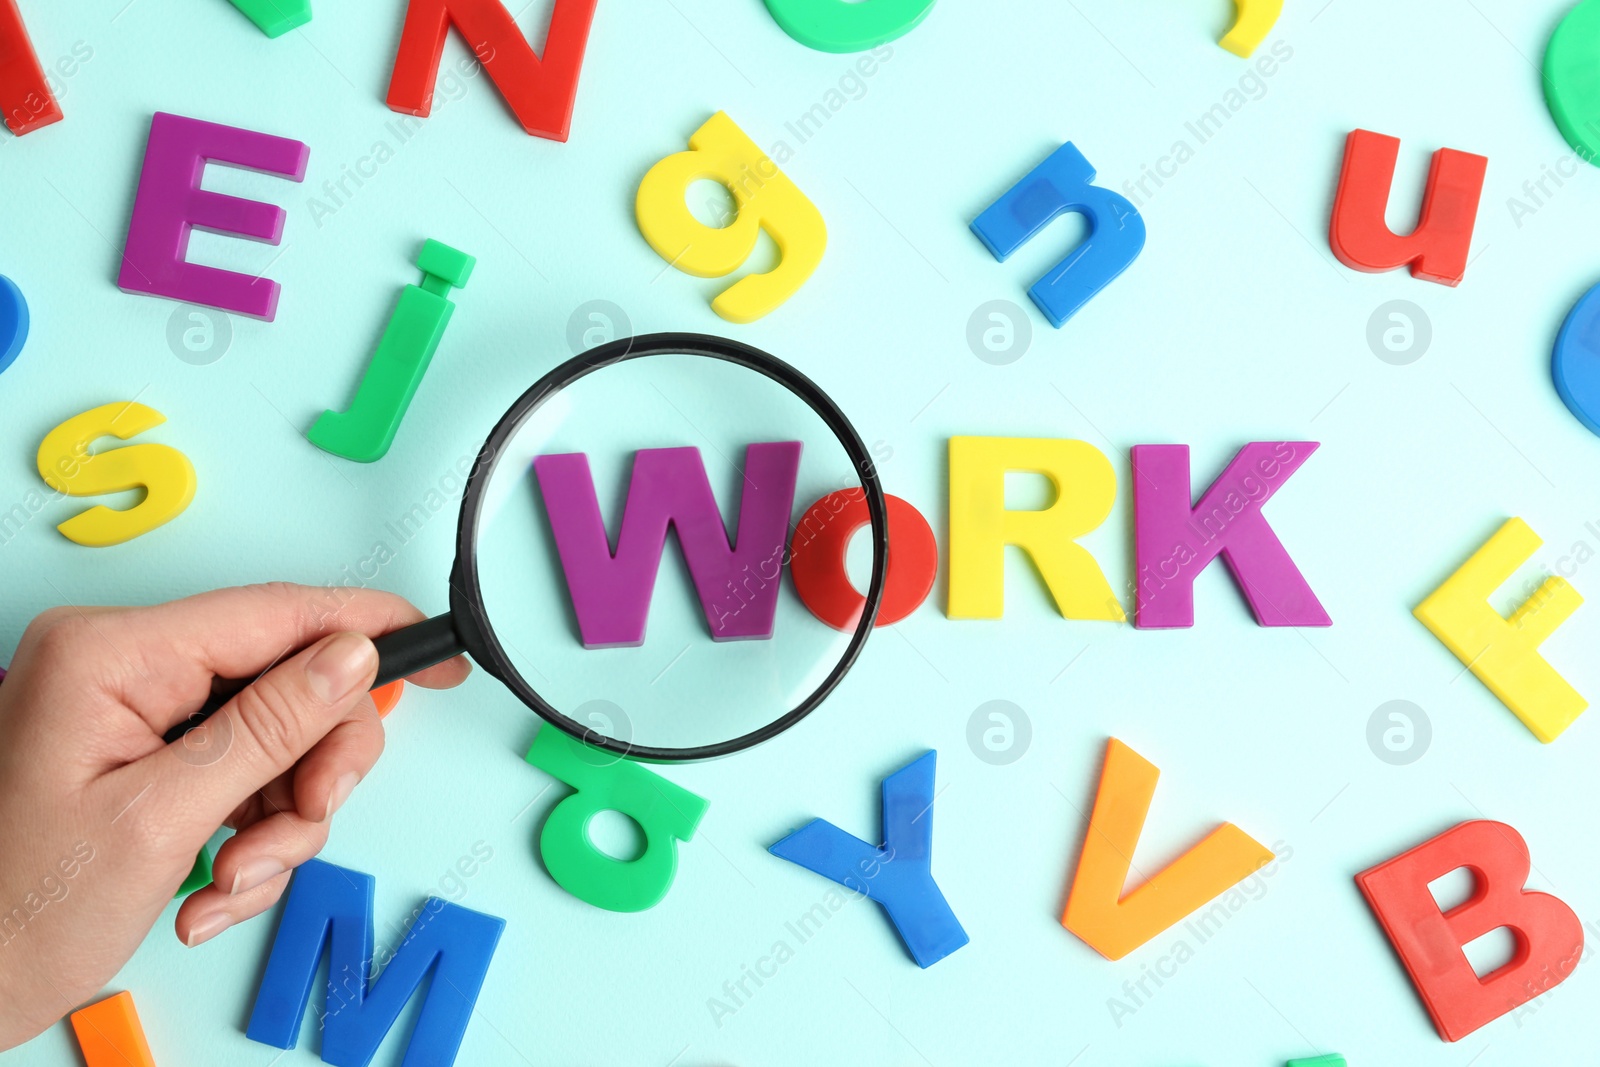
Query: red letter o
(816, 560)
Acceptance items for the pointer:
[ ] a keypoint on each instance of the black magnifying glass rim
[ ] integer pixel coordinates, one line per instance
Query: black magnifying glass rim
(471, 620)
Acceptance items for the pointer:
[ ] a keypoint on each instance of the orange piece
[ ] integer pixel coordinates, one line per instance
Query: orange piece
(387, 696)
(110, 1035)
(1114, 925)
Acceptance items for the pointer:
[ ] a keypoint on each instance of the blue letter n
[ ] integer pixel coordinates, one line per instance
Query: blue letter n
(331, 908)
(1065, 183)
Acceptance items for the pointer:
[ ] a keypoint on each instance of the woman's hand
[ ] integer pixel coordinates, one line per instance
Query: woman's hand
(100, 819)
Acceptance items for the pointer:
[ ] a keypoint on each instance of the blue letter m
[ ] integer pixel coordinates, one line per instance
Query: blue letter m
(330, 908)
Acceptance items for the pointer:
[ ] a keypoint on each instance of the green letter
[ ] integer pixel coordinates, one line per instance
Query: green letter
(667, 814)
(843, 26)
(1572, 78)
(365, 432)
(276, 17)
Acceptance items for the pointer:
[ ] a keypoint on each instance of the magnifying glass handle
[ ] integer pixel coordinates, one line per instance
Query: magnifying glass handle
(401, 653)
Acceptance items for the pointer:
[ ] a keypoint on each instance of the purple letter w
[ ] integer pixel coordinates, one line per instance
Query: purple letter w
(737, 586)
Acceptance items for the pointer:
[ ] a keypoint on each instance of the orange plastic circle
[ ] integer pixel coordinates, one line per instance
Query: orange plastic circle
(816, 560)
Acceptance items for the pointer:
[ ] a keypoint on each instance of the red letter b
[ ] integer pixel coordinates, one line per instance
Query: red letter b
(1548, 935)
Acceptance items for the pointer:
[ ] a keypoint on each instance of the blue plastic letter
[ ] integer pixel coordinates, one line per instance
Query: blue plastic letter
(1063, 183)
(330, 908)
(13, 321)
(1576, 365)
(898, 875)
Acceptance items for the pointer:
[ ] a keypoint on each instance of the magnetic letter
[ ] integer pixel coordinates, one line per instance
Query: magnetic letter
(899, 874)
(1437, 249)
(1504, 653)
(110, 1034)
(199, 875)
(67, 466)
(1062, 183)
(25, 95)
(539, 90)
(330, 910)
(1173, 542)
(1255, 21)
(981, 527)
(611, 593)
(1114, 925)
(365, 432)
(170, 204)
(13, 322)
(1429, 942)
(667, 813)
(817, 557)
(1575, 366)
(1572, 81)
(764, 199)
(276, 17)
(843, 26)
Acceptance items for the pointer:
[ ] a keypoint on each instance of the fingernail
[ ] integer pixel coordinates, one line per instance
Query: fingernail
(206, 927)
(254, 873)
(339, 666)
(340, 793)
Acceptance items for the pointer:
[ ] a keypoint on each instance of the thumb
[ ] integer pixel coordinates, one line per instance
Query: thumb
(267, 726)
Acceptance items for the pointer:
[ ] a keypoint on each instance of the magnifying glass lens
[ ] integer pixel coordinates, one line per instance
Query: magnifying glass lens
(633, 548)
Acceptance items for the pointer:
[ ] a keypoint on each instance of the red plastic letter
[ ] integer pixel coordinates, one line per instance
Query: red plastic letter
(24, 93)
(539, 91)
(1437, 248)
(816, 560)
(1429, 942)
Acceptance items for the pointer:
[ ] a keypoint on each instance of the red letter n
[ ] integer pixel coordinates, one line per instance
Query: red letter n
(1548, 936)
(539, 91)
(1437, 248)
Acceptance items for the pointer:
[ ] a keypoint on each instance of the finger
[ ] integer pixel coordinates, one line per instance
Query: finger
(324, 778)
(241, 632)
(277, 795)
(233, 632)
(446, 675)
(209, 911)
(260, 852)
(245, 814)
(268, 726)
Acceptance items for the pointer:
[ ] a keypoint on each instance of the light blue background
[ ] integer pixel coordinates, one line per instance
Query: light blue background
(1235, 325)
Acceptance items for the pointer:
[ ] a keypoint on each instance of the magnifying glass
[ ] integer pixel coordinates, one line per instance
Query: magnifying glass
(565, 586)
